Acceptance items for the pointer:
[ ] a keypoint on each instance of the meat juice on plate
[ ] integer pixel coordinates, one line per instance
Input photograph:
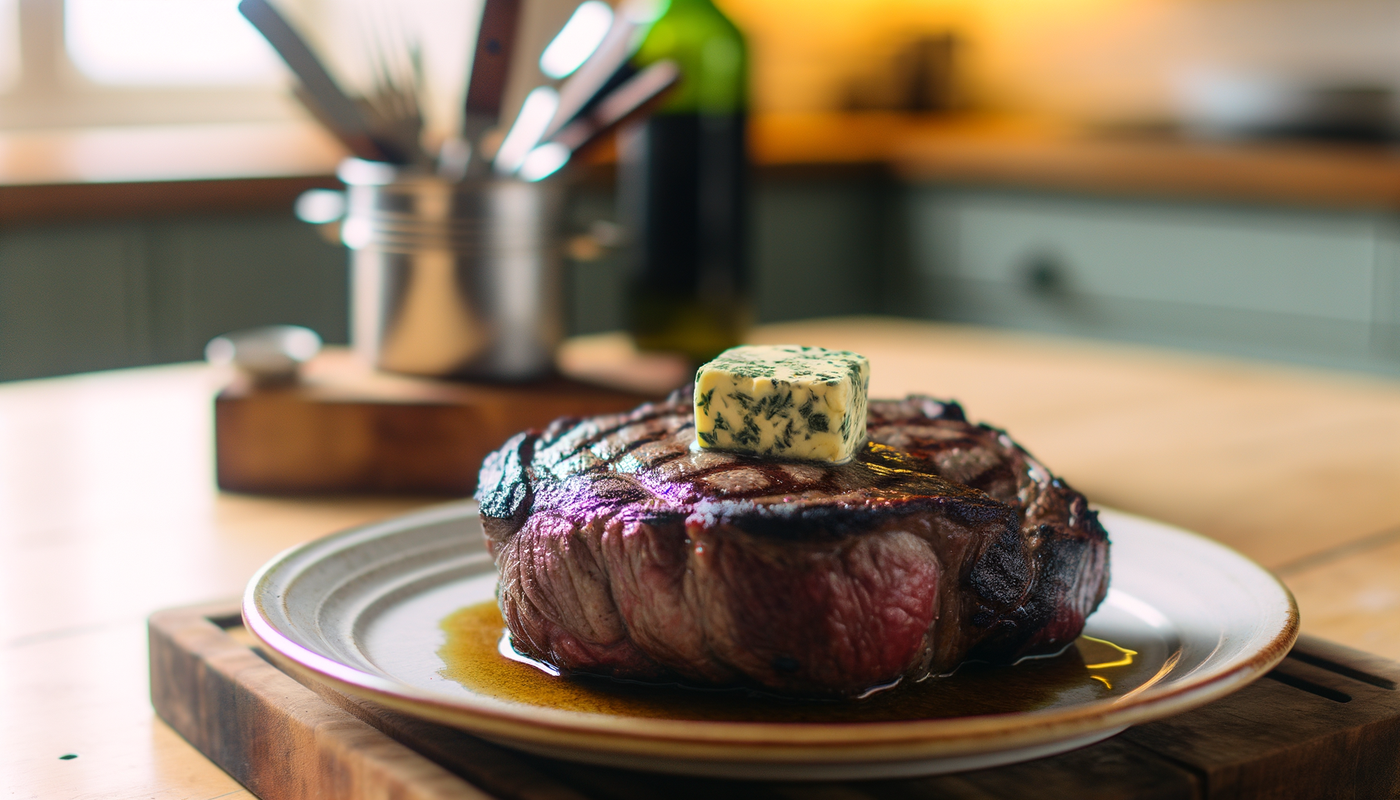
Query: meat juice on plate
(1091, 669)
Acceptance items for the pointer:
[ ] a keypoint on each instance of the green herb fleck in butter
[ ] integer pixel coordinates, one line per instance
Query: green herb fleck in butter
(783, 401)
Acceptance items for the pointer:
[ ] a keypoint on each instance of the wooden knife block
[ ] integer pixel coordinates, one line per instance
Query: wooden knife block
(347, 428)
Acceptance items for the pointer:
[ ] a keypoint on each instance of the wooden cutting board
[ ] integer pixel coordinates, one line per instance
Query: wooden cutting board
(1324, 724)
(346, 428)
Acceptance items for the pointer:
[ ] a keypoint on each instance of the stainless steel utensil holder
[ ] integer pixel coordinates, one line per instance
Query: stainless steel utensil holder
(453, 280)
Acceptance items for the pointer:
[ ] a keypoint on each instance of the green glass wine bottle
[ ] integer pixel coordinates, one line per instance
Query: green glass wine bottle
(683, 182)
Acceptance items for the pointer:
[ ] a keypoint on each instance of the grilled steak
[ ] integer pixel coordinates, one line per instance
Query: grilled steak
(624, 552)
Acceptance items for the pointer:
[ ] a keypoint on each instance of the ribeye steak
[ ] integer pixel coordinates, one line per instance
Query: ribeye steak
(623, 551)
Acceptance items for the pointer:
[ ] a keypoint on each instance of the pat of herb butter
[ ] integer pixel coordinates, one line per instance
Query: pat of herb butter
(783, 401)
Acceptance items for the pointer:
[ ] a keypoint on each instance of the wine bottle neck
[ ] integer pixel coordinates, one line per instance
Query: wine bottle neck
(710, 52)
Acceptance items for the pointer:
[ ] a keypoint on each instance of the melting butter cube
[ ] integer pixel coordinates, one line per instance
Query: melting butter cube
(783, 401)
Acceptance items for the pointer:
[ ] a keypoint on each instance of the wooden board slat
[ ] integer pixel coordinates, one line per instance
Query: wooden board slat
(1326, 723)
(270, 733)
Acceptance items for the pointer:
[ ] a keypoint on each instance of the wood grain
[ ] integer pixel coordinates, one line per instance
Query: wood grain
(109, 511)
(1324, 723)
(278, 739)
(1355, 598)
(347, 429)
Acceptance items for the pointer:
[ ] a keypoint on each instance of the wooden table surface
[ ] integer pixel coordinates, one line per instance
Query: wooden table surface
(108, 511)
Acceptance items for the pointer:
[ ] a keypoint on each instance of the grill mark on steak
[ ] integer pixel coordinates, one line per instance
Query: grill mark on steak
(624, 552)
(595, 433)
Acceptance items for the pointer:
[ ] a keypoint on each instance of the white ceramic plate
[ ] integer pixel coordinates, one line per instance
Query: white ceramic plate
(364, 610)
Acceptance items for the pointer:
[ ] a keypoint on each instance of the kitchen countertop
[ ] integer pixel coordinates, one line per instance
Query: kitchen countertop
(117, 172)
(1308, 174)
(1049, 155)
(108, 510)
(67, 175)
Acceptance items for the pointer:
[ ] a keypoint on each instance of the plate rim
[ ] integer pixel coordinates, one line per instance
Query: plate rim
(740, 741)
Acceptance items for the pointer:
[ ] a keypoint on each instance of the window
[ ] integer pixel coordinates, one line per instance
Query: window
(9, 44)
(166, 43)
(119, 62)
(125, 62)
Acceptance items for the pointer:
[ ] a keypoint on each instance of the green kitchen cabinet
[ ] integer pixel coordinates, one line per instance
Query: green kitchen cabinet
(1293, 284)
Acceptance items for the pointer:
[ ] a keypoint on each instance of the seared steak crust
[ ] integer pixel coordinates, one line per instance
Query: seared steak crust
(623, 552)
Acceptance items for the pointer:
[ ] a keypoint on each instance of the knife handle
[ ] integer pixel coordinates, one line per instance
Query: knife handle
(495, 41)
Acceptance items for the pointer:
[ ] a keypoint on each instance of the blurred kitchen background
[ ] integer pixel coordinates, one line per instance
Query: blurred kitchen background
(1220, 175)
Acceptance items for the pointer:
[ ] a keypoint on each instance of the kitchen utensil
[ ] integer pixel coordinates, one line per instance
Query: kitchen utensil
(453, 279)
(577, 40)
(627, 101)
(634, 96)
(318, 90)
(397, 69)
(571, 49)
(604, 70)
(495, 42)
(527, 130)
